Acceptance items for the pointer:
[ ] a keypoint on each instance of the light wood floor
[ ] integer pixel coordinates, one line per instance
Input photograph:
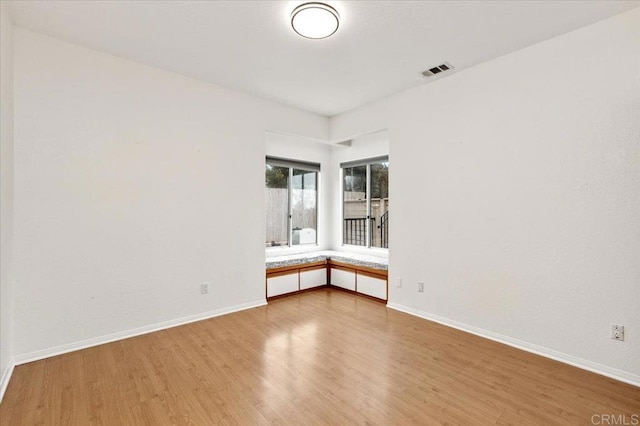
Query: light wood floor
(322, 357)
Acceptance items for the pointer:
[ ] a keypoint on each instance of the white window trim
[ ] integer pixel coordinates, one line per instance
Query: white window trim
(368, 249)
(298, 165)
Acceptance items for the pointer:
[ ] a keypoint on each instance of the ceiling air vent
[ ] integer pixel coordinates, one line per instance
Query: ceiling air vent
(437, 70)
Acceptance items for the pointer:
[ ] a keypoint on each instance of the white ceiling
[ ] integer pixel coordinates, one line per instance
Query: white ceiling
(381, 46)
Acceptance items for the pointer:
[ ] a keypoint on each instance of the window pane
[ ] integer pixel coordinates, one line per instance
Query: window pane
(277, 205)
(355, 205)
(380, 205)
(304, 198)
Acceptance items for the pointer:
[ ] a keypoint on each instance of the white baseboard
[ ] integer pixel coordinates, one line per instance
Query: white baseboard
(594, 367)
(70, 347)
(6, 376)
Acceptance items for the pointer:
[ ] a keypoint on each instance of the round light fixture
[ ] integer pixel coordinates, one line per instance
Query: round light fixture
(315, 20)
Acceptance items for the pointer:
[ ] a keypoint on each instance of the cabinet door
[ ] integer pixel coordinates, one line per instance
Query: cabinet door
(343, 278)
(312, 278)
(282, 284)
(371, 286)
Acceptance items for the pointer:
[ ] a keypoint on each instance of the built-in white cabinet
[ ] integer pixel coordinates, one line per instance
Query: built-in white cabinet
(282, 284)
(360, 279)
(343, 278)
(310, 278)
(291, 279)
(371, 286)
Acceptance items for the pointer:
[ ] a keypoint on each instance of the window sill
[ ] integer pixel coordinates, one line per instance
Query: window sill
(286, 251)
(367, 251)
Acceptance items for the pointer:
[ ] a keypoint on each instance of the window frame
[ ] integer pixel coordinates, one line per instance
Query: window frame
(305, 166)
(368, 162)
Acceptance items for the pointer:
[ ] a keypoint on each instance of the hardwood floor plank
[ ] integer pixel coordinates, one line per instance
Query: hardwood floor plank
(319, 357)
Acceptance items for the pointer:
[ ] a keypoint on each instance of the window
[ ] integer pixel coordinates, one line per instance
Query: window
(365, 190)
(291, 201)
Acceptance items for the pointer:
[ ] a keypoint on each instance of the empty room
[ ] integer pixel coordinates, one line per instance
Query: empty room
(335, 212)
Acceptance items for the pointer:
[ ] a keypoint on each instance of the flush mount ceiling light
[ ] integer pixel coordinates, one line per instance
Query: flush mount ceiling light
(315, 20)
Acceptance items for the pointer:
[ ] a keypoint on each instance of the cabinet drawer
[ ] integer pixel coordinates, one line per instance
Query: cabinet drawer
(371, 286)
(282, 284)
(343, 278)
(312, 278)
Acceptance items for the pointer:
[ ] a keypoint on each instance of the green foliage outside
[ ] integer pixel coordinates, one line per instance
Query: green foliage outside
(276, 177)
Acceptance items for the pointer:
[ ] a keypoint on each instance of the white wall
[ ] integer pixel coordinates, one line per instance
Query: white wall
(6, 194)
(132, 187)
(516, 196)
(371, 145)
(305, 149)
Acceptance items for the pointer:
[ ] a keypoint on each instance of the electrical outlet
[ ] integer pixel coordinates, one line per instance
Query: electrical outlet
(617, 332)
(205, 288)
(398, 282)
(420, 287)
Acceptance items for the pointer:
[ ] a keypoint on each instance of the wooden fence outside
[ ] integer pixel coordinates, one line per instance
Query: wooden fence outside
(355, 209)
